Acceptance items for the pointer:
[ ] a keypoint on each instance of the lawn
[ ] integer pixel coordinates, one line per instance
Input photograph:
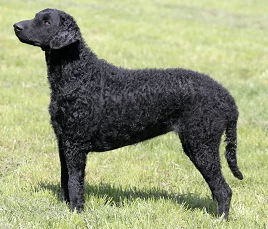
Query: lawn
(151, 184)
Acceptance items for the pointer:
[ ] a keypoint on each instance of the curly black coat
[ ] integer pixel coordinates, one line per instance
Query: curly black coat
(96, 106)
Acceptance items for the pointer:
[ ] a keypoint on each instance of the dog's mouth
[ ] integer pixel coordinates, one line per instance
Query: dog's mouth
(29, 42)
(26, 40)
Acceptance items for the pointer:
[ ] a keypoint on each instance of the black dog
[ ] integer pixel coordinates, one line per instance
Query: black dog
(96, 106)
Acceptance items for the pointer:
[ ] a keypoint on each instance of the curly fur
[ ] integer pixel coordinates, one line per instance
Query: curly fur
(96, 106)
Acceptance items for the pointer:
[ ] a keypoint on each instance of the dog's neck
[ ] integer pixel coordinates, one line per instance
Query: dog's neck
(72, 58)
(66, 54)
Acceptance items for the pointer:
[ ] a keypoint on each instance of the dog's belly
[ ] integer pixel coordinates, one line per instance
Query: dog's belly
(105, 140)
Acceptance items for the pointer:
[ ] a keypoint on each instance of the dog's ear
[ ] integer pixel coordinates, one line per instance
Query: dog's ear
(68, 33)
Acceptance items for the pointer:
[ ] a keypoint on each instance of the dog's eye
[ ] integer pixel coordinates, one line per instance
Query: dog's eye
(46, 22)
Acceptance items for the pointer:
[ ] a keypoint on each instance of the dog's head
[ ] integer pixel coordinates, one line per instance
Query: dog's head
(50, 28)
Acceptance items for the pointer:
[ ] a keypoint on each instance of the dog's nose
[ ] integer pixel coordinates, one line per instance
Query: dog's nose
(18, 27)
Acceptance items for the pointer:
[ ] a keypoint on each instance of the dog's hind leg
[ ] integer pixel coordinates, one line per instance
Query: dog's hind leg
(205, 157)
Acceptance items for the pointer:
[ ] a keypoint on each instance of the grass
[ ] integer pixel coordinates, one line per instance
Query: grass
(151, 184)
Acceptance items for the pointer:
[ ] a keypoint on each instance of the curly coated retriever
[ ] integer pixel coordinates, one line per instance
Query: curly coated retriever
(96, 106)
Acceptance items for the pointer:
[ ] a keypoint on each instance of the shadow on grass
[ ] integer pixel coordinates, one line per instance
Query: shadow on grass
(118, 196)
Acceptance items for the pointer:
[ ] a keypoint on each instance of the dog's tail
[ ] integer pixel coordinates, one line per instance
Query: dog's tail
(231, 148)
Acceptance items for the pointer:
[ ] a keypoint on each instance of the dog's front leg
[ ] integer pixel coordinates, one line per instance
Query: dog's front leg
(64, 176)
(75, 159)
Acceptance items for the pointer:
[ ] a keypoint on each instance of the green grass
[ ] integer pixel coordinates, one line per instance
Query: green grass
(151, 184)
